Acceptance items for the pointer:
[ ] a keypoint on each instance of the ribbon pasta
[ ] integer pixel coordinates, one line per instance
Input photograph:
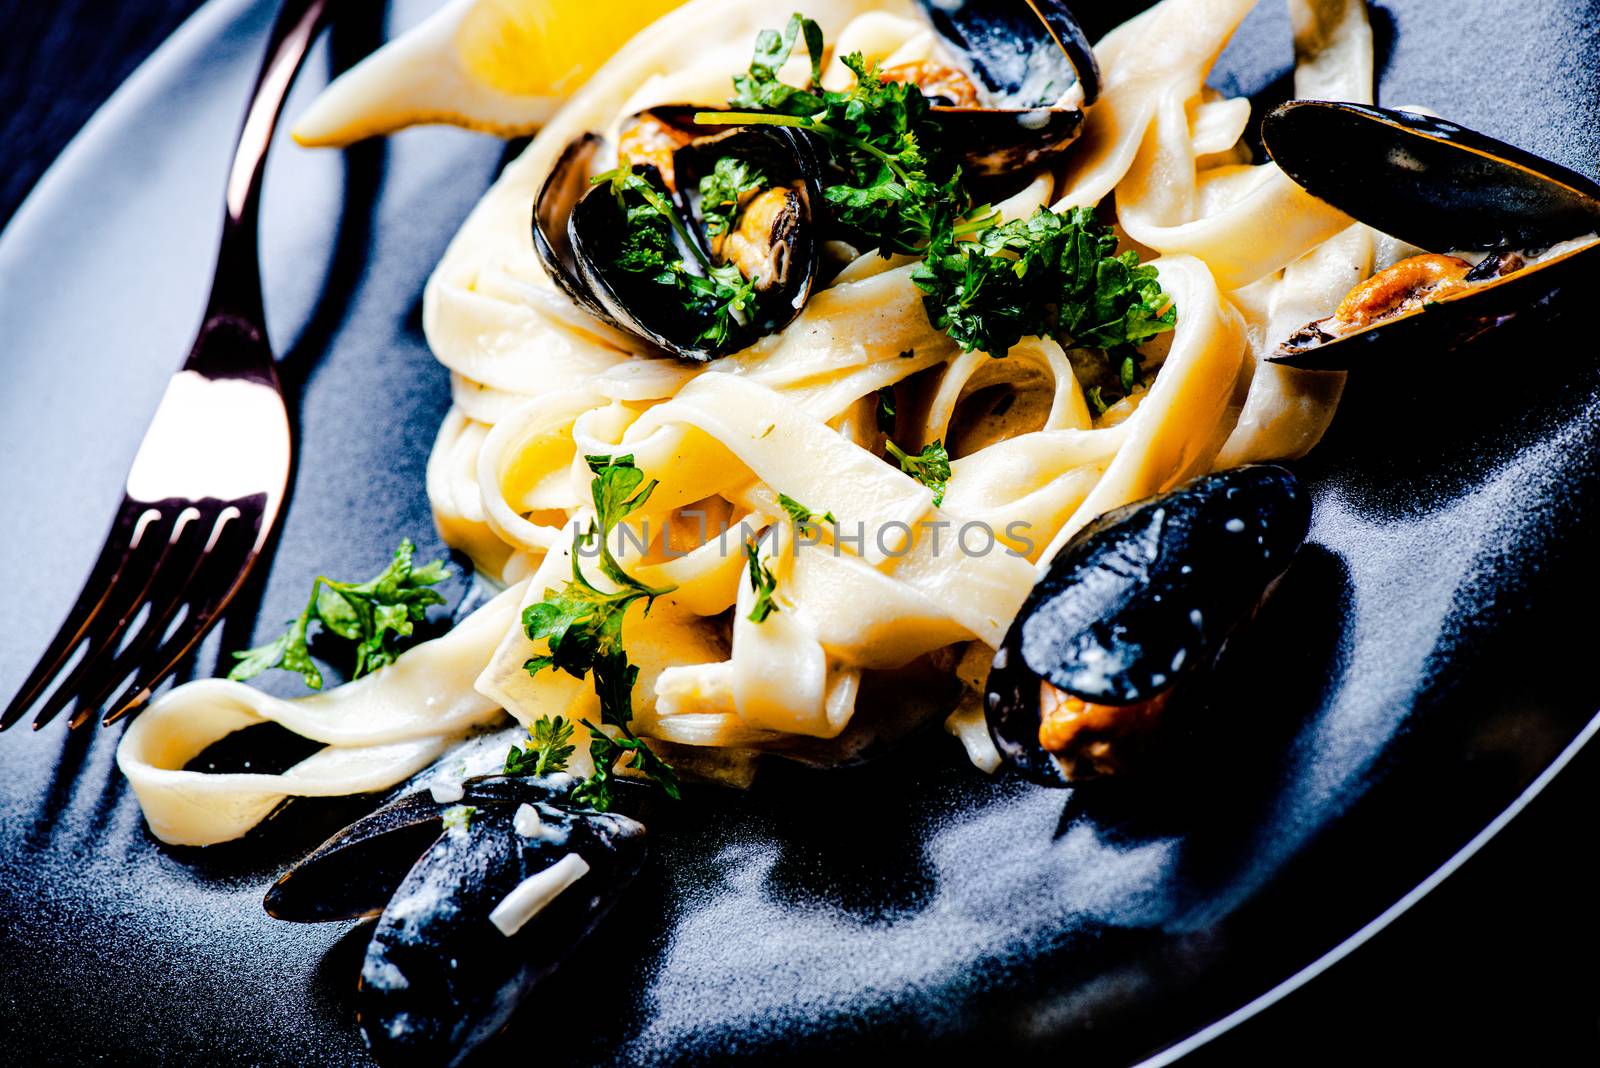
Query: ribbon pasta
(538, 386)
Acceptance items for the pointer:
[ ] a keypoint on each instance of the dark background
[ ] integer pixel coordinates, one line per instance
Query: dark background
(1498, 965)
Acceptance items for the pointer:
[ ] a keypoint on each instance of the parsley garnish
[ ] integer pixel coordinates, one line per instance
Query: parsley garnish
(715, 298)
(1047, 275)
(595, 791)
(931, 467)
(886, 410)
(764, 583)
(378, 615)
(898, 191)
(761, 90)
(459, 817)
(804, 518)
(721, 190)
(583, 626)
(548, 753)
(1128, 372)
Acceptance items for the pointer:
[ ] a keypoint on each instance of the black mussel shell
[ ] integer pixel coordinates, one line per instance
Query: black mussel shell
(567, 184)
(634, 302)
(1025, 54)
(1141, 598)
(354, 873)
(439, 978)
(1000, 143)
(1444, 188)
(1430, 182)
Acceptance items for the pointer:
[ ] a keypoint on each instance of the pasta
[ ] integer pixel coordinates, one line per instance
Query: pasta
(538, 386)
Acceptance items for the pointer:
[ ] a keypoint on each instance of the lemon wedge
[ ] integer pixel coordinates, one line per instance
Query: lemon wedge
(497, 66)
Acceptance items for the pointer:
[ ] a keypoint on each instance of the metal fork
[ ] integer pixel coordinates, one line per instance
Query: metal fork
(209, 478)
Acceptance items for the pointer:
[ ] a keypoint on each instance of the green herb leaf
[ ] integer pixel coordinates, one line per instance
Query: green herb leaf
(760, 88)
(895, 193)
(549, 752)
(722, 190)
(886, 413)
(582, 624)
(1048, 275)
(901, 190)
(378, 615)
(715, 298)
(1128, 373)
(764, 583)
(605, 750)
(459, 817)
(804, 518)
(725, 297)
(931, 467)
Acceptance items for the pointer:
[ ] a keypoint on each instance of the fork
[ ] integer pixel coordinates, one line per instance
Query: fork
(209, 478)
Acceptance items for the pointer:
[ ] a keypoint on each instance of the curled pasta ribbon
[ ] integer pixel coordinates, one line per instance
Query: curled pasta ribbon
(1179, 426)
(524, 469)
(454, 494)
(378, 730)
(1142, 144)
(1285, 411)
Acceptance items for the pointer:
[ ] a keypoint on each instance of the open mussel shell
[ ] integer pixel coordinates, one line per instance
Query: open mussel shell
(1141, 599)
(1426, 181)
(1024, 55)
(788, 271)
(577, 229)
(567, 183)
(354, 873)
(439, 977)
(1449, 321)
(1443, 188)
(1009, 142)
(634, 302)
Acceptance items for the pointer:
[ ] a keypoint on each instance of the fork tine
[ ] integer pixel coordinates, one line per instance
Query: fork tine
(93, 694)
(230, 562)
(107, 586)
(167, 659)
(222, 557)
(173, 558)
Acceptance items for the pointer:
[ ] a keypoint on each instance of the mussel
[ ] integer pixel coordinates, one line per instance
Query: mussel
(1507, 232)
(1005, 109)
(478, 898)
(587, 234)
(1131, 608)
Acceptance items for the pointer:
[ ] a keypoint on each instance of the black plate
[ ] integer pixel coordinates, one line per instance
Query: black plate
(1416, 675)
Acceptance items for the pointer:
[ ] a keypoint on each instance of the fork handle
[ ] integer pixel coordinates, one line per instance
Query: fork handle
(236, 289)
